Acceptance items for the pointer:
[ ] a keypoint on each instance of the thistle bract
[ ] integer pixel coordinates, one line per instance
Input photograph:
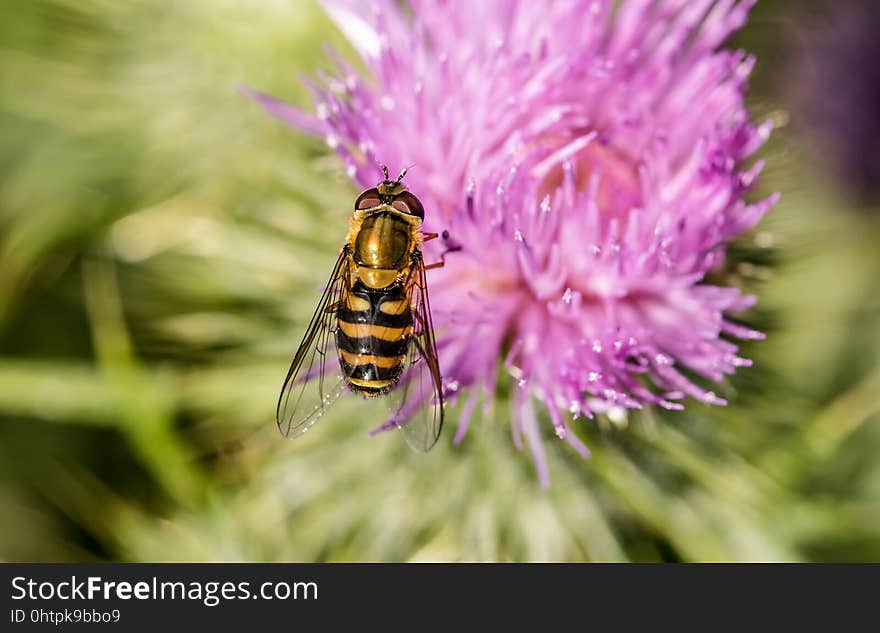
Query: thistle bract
(586, 161)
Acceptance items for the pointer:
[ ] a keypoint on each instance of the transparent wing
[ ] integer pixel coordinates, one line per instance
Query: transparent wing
(417, 402)
(314, 380)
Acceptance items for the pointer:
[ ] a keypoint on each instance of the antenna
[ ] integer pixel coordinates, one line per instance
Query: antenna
(385, 171)
(402, 174)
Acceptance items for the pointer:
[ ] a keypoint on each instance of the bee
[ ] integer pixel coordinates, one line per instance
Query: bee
(375, 311)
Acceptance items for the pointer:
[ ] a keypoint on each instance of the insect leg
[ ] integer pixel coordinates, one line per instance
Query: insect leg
(442, 262)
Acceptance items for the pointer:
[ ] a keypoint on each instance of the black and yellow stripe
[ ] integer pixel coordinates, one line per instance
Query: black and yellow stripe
(372, 337)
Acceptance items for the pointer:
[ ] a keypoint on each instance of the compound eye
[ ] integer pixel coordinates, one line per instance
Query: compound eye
(368, 199)
(409, 204)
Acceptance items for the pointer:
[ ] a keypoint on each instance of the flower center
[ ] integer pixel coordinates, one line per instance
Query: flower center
(618, 187)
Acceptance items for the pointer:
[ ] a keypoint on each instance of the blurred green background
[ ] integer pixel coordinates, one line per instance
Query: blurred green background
(161, 243)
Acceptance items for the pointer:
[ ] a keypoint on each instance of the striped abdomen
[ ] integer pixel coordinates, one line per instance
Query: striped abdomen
(372, 337)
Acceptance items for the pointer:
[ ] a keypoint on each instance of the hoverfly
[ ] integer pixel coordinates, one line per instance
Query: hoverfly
(375, 310)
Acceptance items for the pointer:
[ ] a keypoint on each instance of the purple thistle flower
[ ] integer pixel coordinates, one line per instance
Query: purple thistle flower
(586, 163)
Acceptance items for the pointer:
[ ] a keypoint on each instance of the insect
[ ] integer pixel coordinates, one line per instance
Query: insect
(375, 311)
